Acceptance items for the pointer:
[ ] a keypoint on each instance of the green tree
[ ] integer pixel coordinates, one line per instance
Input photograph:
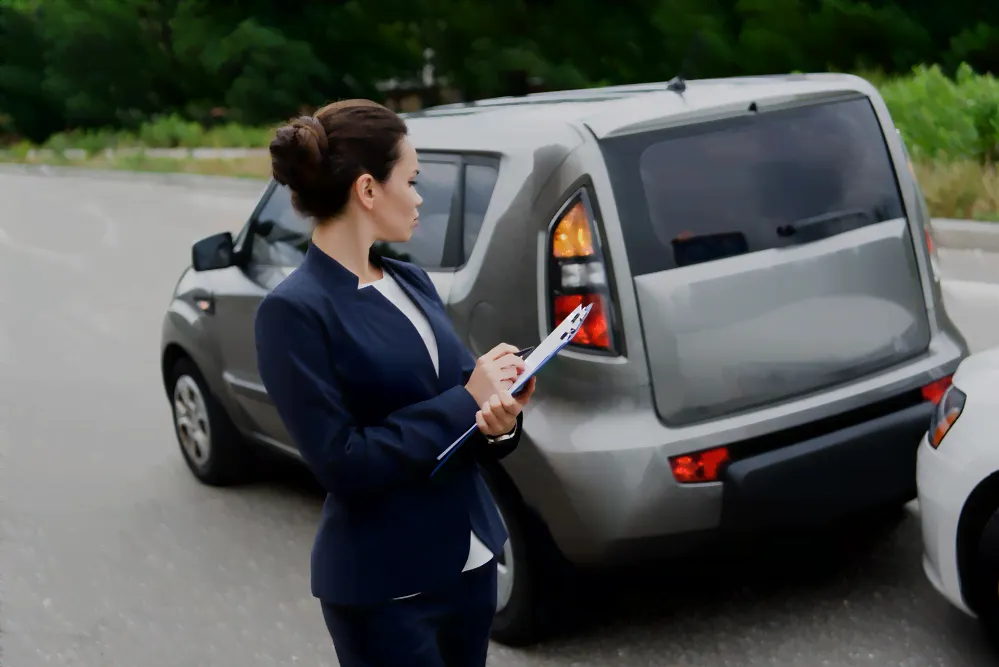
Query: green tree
(25, 106)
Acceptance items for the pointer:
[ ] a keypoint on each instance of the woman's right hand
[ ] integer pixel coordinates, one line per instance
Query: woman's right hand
(495, 372)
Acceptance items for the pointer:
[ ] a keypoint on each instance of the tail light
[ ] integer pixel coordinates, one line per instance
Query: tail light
(578, 274)
(934, 391)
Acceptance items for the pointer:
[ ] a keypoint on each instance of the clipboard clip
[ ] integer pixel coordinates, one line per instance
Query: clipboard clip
(576, 318)
(550, 348)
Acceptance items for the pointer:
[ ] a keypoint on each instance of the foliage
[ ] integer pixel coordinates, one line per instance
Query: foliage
(960, 189)
(944, 118)
(86, 64)
(98, 75)
(170, 131)
(941, 119)
(253, 166)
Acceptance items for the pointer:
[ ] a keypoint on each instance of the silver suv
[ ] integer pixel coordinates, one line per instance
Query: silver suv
(767, 340)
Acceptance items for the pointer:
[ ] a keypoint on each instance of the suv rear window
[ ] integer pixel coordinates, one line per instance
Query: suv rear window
(722, 188)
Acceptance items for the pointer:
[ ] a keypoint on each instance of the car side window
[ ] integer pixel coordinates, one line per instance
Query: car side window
(280, 235)
(480, 180)
(437, 184)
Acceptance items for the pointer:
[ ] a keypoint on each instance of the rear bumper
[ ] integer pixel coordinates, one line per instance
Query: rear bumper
(605, 506)
(828, 477)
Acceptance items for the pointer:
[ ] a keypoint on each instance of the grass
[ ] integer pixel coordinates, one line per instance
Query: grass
(960, 189)
(165, 132)
(257, 166)
(954, 189)
(950, 125)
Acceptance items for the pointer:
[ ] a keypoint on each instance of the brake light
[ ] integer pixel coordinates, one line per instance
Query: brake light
(699, 467)
(594, 332)
(929, 242)
(578, 276)
(934, 391)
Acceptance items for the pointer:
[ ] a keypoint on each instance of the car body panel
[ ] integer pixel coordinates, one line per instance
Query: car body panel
(771, 325)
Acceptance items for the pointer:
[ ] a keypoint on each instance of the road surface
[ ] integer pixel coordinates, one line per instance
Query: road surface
(111, 555)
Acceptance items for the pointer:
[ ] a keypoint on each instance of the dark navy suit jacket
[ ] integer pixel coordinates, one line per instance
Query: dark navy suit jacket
(355, 386)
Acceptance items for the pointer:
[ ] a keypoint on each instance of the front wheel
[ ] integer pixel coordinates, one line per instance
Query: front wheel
(211, 445)
(530, 578)
(985, 579)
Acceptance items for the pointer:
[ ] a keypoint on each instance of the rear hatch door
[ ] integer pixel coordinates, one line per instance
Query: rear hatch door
(771, 256)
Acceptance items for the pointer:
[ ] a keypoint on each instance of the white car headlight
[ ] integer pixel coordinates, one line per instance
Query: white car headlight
(947, 411)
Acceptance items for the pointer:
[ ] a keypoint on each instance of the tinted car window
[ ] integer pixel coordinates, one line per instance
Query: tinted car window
(282, 235)
(480, 179)
(436, 183)
(725, 188)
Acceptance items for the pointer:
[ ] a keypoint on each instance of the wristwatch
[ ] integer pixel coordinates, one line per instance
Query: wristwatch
(492, 439)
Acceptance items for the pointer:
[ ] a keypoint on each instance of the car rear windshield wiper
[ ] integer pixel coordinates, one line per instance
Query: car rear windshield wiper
(826, 224)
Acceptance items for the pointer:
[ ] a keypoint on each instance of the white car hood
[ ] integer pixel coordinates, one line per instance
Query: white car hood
(978, 372)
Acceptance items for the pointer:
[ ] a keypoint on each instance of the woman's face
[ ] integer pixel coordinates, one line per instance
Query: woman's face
(395, 213)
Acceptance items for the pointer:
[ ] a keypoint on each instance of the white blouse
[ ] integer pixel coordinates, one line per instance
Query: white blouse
(478, 553)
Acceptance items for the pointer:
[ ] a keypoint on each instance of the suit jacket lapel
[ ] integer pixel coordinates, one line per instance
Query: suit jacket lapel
(448, 357)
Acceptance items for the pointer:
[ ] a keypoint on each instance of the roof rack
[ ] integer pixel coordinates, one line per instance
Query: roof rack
(579, 95)
(678, 84)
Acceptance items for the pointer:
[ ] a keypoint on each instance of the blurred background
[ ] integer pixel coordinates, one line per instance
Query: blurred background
(90, 79)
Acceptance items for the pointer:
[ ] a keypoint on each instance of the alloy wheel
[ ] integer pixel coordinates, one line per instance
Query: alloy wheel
(504, 572)
(191, 417)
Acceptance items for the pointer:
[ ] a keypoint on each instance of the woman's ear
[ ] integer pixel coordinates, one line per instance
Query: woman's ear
(364, 188)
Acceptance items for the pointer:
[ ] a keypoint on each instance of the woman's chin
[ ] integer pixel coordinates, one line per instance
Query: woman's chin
(397, 235)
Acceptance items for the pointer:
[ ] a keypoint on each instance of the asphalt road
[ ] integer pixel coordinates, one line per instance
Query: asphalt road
(112, 555)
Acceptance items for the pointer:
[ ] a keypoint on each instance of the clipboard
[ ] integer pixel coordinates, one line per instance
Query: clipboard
(535, 361)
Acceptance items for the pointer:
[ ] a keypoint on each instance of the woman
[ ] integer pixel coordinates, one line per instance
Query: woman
(360, 358)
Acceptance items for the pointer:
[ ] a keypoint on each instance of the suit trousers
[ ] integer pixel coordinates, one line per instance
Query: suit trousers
(442, 628)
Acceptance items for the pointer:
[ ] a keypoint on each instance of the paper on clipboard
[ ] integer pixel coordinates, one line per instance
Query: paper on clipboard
(549, 347)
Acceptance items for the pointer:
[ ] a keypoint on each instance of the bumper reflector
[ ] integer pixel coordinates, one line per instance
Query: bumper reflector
(699, 467)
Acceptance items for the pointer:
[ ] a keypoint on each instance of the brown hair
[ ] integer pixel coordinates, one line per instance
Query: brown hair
(320, 157)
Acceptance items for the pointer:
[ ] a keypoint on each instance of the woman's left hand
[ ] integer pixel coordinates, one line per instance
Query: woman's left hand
(498, 415)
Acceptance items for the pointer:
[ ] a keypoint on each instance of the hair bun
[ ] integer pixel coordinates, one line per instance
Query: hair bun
(299, 153)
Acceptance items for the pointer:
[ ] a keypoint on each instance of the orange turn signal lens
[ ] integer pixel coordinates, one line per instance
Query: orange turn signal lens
(573, 237)
(943, 425)
(699, 467)
(948, 409)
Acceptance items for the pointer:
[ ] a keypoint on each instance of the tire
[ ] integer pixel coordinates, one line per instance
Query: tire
(211, 446)
(985, 579)
(532, 575)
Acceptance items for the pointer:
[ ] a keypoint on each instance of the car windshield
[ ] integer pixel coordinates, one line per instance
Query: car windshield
(723, 188)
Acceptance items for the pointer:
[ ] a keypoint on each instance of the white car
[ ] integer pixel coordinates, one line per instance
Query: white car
(958, 480)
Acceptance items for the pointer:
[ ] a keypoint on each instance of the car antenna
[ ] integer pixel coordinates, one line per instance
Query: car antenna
(678, 84)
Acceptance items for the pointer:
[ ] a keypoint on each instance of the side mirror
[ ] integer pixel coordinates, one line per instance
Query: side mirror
(213, 252)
